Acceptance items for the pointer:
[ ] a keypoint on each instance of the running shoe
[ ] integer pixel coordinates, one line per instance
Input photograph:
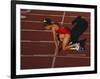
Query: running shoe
(77, 46)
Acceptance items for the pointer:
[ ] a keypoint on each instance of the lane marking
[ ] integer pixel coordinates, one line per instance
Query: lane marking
(36, 30)
(31, 21)
(54, 15)
(85, 33)
(37, 41)
(55, 57)
(45, 15)
(56, 49)
(63, 17)
(39, 21)
(26, 11)
(30, 41)
(42, 22)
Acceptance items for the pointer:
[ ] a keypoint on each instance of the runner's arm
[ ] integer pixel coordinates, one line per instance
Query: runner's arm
(55, 37)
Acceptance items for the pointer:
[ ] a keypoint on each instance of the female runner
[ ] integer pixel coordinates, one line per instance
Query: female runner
(61, 35)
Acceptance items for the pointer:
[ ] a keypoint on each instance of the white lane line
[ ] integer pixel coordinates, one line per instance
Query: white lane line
(37, 55)
(63, 17)
(39, 21)
(23, 16)
(29, 41)
(31, 21)
(26, 11)
(78, 56)
(45, 15)
(85, 33)
(54, 15)
(36, 30)
(56, 49)
(37, 41)
(54, 58)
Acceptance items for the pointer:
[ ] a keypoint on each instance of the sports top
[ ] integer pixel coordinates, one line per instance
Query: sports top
(62, 30)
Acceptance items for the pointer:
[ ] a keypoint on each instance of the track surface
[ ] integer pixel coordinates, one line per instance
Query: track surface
(37, 45)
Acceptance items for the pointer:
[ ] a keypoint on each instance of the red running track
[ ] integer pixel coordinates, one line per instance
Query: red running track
(37, 45)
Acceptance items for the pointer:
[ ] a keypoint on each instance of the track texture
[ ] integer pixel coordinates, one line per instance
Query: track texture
(37, 45)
